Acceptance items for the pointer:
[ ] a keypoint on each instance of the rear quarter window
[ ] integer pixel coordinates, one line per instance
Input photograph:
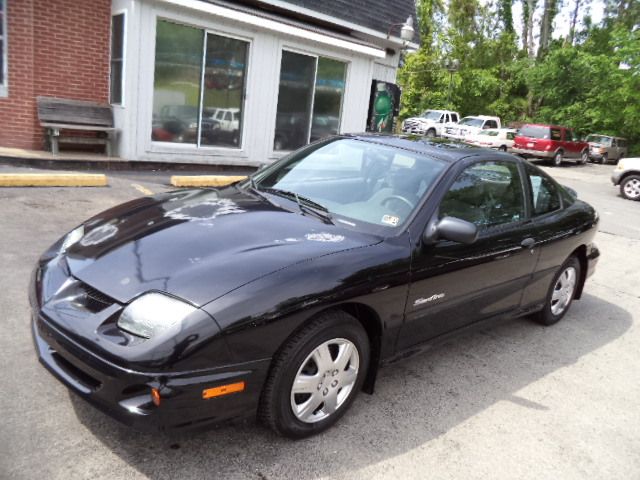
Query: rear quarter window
(534, 131)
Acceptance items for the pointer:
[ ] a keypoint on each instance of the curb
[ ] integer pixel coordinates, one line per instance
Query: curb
(124, 165)
(52, 180)
(205, 180)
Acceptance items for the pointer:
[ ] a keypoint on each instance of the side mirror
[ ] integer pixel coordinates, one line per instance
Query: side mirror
(451, 228)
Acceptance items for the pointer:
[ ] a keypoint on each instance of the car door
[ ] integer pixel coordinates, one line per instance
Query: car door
(453, 285)
(554, 230)
(572, 147)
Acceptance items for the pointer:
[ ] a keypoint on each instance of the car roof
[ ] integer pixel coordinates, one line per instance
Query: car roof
(442, 149)
(605, 135)
(543, 125)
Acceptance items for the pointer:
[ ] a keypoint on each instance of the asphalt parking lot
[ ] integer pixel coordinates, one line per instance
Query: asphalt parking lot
(514, 401)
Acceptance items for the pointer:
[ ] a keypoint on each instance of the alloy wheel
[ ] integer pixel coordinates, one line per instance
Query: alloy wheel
(584, 158)
(557, 159)
(563, 291)
(325, 380)
(632, 188)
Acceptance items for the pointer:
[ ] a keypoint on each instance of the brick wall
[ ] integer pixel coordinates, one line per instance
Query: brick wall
(56, 48)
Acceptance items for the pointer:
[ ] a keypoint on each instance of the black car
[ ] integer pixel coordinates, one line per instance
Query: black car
(282, 296)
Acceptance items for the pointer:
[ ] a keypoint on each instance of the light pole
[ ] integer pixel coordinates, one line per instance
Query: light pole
(453, 66)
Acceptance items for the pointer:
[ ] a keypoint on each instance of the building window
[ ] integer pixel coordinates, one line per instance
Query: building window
(309, 99)
(117, 58)
(199, 87)
(3, 48)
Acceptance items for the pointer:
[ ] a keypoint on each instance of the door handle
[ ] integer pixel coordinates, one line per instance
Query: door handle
(528, 243)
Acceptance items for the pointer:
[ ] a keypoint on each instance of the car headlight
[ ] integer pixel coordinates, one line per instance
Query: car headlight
(152, 313)
(72, 238)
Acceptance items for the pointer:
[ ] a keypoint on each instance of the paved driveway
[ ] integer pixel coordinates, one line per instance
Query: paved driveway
(513, 401)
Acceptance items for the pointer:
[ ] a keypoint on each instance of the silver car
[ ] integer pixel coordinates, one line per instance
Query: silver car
(627, 175)
(604, 148)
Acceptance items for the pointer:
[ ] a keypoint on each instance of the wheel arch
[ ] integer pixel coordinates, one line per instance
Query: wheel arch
(370, 321)
(625, 175)
(372, 324)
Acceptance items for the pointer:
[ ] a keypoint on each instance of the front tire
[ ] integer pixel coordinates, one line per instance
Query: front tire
(431, 133)
(584, 158)
(561, 293)
(503, 148)
(316, 376)
(630, 187)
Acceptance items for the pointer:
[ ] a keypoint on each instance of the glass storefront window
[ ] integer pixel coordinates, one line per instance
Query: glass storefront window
(224, 79)
(309, 99)
(327, 104)
(192, 106)
(178, 73)
(297, 74)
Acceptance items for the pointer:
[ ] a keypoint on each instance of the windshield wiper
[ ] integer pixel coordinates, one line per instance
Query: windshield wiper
(253, 187)
(304, 204)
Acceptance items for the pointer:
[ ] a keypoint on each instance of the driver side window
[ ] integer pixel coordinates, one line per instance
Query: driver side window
(488, 194)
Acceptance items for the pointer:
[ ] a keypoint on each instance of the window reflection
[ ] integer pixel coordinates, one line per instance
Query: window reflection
(179, 81)
(309, 99)
(297, 73)
(176, 94)
(224, 77)
(327, 103)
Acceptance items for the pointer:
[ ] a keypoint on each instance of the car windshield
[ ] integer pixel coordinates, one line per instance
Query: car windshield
(472, 121)
(359, 183)
(599, 139)
(431, 115)
(534, 131)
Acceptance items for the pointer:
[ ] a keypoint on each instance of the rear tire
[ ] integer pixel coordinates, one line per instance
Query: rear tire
(557, 158)
(503, 148)
(326, 362)
(561, 293)
(431, 133)
(630, 187)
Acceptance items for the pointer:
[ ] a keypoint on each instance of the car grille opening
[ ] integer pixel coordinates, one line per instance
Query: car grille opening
(81, 376)
(96, 301)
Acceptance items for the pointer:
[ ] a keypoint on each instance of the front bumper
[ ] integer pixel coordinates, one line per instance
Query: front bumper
(616, 176)
(593, 255)
(125, 394)
(454, 136)
(527, 152)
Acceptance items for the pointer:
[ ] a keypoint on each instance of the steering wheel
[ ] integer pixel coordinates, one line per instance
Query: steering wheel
(397, 197)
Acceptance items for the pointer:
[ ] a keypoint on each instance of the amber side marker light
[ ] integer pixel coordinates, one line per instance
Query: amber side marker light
(222, 390)
(155, 396)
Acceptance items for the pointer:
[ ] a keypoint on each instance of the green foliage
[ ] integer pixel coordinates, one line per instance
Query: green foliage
(592, 85)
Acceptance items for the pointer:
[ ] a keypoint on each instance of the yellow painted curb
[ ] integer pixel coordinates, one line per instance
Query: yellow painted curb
(204, 180)
(52, 180)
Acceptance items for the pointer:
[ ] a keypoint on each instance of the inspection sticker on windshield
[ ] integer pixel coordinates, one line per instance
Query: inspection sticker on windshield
(390, 220)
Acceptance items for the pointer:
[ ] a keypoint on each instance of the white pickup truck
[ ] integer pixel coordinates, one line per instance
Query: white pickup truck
(430, 122)
(470, 126)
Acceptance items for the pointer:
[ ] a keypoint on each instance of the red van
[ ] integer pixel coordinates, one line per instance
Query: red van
(551, 142)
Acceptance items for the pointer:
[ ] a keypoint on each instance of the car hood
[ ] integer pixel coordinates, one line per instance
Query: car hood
(199, 244)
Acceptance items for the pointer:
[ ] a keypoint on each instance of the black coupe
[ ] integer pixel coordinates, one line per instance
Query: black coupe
(282, 295)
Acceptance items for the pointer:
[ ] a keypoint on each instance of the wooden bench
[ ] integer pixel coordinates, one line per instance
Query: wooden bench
(57, 114)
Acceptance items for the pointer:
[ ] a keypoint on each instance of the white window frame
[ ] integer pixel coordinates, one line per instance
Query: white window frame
(124, 56)
(4, 85)
(347, 63)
